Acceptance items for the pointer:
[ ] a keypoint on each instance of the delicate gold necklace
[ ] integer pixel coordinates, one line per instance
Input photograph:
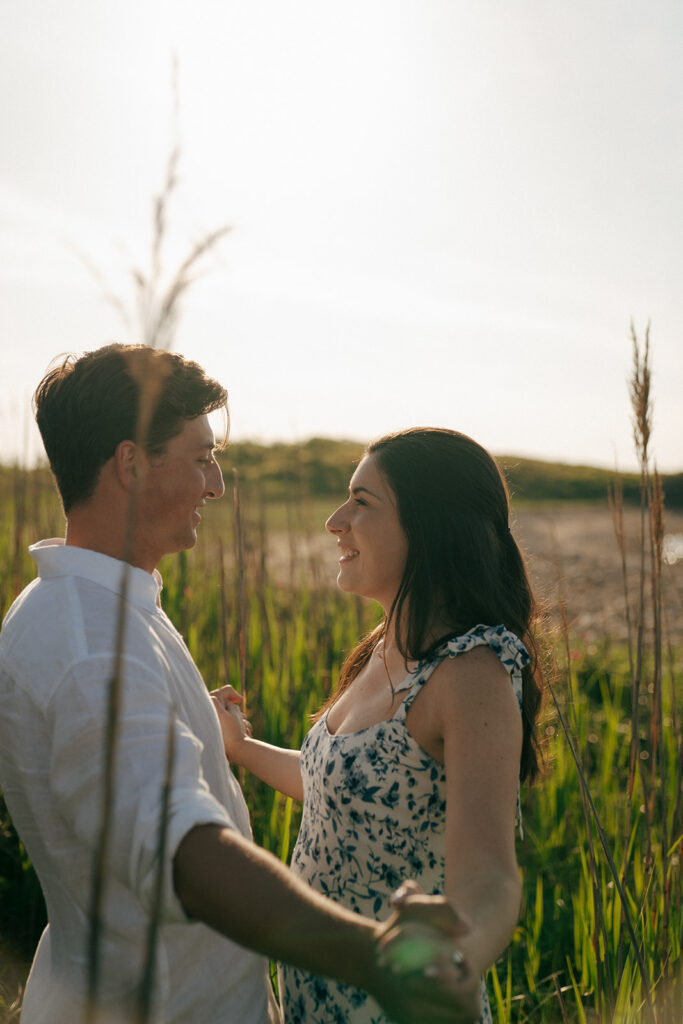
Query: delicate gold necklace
(379, 649)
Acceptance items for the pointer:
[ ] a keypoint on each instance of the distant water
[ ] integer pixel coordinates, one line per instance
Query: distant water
(672, 548)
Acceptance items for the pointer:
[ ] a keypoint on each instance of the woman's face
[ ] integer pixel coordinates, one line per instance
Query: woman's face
(372, 545)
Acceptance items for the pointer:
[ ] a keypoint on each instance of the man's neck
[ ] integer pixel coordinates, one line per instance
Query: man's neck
(106, 523)
(85, 529)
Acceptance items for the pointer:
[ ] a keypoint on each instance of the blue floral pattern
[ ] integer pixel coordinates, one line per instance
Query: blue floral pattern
(374, 814)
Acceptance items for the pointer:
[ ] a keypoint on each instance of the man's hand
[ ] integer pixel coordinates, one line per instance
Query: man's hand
(423, 975)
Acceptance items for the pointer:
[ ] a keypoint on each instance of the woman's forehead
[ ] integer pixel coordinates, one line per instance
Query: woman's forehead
(369, 475)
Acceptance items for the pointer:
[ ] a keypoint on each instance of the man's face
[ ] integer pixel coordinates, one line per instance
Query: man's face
(173, 487)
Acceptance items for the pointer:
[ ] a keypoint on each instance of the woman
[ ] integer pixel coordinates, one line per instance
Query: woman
(411, 770)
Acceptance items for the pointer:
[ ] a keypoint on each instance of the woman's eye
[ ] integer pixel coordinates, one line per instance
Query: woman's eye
(359, 501)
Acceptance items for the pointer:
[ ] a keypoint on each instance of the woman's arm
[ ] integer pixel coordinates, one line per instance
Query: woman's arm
(276, 766)
(475, 718)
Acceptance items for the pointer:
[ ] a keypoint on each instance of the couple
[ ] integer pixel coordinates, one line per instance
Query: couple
(425, 719)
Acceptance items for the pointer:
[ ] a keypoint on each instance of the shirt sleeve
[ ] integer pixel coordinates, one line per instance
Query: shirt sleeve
(77, 715)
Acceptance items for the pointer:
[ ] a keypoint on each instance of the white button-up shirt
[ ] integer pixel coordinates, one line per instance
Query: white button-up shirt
(57, 650)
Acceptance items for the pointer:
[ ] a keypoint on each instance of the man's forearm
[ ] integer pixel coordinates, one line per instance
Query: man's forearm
(251, 897)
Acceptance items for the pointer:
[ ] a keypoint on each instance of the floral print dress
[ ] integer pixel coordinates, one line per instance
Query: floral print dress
(375, 814)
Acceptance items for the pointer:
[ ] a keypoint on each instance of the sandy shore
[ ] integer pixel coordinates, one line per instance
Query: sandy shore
(572, 551)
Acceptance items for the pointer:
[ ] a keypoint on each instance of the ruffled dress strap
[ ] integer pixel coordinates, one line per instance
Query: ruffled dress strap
(509, 649)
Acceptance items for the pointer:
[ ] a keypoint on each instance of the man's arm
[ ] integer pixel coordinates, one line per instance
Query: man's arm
(248, 895)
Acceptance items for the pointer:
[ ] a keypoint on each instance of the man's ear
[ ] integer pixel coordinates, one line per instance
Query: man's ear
(127, 460)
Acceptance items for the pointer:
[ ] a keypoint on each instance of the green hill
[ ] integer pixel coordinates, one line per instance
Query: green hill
(322, 467)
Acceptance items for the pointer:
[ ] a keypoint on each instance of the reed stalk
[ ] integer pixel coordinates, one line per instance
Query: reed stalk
(262, 582)
(585, 789)
(603, 973)
(642, 422)
(146, 992)
(20, 483)
(560, 1000)
(17, 546)
(100, 859)
(223, 619)
(241, 588)
(659, 759)
(158, 309)
(150, 379)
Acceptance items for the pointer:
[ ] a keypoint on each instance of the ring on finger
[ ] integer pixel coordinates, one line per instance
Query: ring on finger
(457, 959)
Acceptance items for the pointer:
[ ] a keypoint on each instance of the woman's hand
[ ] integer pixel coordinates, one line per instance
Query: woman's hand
(235, 727)
(276, 766)
(420, 948)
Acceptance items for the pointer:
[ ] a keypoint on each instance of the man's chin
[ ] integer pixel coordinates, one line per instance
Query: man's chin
(185, 543)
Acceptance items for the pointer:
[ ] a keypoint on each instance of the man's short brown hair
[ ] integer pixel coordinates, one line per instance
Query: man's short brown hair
(85, 406)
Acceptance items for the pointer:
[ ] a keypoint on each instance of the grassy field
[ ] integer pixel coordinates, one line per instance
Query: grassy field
(599, 937)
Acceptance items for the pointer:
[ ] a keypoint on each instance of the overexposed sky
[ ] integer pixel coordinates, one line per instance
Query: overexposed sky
(442, 212)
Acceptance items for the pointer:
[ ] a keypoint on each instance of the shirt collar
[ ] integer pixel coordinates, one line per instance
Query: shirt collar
(55, 558)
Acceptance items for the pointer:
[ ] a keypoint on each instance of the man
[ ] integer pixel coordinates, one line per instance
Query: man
(127, 434)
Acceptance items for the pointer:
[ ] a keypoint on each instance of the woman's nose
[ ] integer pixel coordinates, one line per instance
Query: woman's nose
(337, 523)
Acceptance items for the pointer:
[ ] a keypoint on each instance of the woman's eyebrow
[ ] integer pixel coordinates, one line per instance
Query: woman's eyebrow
(366, 490)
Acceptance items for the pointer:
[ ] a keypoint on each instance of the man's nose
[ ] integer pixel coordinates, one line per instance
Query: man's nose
(215, 485)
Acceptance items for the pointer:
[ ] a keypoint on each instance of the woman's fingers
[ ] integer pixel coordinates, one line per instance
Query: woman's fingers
(233, 711)
(227, 695)
(228, 706)
(409, 887)
(412, 905)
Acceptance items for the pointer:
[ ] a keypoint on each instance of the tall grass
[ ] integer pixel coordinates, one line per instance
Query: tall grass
(295, 635)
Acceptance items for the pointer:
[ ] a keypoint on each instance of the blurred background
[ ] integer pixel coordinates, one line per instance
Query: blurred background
(441, 212)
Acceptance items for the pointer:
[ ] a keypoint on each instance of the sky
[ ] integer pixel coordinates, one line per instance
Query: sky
(442, 212)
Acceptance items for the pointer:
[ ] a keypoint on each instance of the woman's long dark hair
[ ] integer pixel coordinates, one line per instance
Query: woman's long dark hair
(463, 565)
